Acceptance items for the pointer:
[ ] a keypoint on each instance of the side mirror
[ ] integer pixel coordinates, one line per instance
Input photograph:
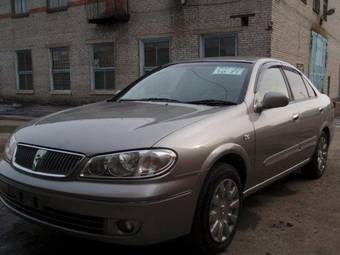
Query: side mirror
(272, 100)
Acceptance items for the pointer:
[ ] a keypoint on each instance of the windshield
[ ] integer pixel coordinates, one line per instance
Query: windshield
(205, 83)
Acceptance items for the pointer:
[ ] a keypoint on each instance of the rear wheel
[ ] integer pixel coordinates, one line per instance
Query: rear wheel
(218, 211)
(318, 164)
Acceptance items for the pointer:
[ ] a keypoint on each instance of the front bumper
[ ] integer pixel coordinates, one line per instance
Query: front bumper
(160, 211)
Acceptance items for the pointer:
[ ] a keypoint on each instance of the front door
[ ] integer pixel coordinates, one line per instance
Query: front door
(276, 129)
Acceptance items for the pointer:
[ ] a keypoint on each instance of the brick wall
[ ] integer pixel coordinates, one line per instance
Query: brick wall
(149, 19)
(293, 22)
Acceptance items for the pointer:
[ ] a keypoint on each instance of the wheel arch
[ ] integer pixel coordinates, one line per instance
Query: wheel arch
(328, 130)
(232, 154)
(328, 133)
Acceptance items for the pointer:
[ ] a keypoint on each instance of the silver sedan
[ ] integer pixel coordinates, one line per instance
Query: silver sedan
(174, 154)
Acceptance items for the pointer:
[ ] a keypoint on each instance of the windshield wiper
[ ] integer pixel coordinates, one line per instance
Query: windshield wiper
(152, 99)
(212, 102)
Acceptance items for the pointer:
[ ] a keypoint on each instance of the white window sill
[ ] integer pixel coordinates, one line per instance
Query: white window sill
(61, 92)
(25, 92)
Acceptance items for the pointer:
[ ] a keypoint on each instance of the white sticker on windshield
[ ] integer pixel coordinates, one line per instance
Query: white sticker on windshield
(228, 70)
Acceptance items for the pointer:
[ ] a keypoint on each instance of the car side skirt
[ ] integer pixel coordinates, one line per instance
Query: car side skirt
(274, 178)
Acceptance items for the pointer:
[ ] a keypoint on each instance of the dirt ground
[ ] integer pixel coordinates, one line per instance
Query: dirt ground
(292, 216)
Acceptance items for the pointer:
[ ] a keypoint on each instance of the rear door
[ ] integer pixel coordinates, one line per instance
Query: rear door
(276, 129)
(310, 111)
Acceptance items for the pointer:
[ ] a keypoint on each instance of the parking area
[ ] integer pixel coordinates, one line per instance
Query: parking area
(292, 216)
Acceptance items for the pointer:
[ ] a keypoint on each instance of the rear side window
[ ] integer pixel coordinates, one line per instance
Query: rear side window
(271, 80)
(310, 90)
(297, 85)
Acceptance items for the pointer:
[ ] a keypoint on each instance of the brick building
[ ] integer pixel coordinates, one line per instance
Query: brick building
(74, 51)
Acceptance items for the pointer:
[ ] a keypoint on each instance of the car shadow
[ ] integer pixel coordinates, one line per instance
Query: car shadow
(250, 218)
(57, 244)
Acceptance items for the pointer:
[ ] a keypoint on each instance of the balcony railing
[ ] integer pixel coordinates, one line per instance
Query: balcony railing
(106, 11)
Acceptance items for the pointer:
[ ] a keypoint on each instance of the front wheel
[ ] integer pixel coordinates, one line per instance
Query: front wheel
(218, 211)
(318, 164)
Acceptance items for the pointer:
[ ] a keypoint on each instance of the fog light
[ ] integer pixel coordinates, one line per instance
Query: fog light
(127, 226)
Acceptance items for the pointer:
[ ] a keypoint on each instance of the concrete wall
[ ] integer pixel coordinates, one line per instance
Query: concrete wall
(293, 23)
(149, 19)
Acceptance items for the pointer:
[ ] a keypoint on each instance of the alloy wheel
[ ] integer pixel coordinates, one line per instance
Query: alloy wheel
(224, 210)
(322, 154)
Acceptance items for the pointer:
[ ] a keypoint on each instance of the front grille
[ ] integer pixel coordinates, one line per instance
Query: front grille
(78, 222)
(45, 161)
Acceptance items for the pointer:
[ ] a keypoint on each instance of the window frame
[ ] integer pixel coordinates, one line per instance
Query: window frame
(325, 9)
(218, 35)
(317, 7)
(56, 9)
(142, 52)
(266, 67)
(22, 14)
(52, 71)
(290, 87)
(308, 85)
(93, 68)
(18, 72)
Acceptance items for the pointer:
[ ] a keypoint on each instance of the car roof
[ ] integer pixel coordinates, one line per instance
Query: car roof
(251, 60)
(231, 59)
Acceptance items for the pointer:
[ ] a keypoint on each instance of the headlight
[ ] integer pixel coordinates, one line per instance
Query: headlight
(10, 147)
(132, 164)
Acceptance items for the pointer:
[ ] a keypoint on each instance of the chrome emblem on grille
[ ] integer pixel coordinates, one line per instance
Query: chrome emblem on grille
(37, 158)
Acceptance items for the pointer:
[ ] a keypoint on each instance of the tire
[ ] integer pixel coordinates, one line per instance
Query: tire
(213, 206)
(318, 164)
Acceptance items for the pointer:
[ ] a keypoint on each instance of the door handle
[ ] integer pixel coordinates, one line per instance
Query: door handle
(321, 109)
(295, 117)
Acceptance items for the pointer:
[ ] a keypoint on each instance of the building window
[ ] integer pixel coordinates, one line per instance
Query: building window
(103, 67)
(60, 69)
(245, 21)
(219, 45)
(20, 8)
(325, 9)
(24, 70)
(155, 52)
(57, 5)
(316, 6)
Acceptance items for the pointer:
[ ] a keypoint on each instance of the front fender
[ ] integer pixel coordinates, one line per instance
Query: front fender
(223, 150)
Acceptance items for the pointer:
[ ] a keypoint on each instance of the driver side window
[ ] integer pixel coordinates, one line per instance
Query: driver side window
(271, 80)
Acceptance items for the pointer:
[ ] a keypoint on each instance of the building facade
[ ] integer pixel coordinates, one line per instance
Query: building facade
(76, 51)
(306, 37)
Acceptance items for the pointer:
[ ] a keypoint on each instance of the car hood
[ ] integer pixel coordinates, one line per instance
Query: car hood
(110, 126)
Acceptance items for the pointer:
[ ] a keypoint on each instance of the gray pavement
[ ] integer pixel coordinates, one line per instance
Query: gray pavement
(337, 122)
(28, 110)
(292, 216)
